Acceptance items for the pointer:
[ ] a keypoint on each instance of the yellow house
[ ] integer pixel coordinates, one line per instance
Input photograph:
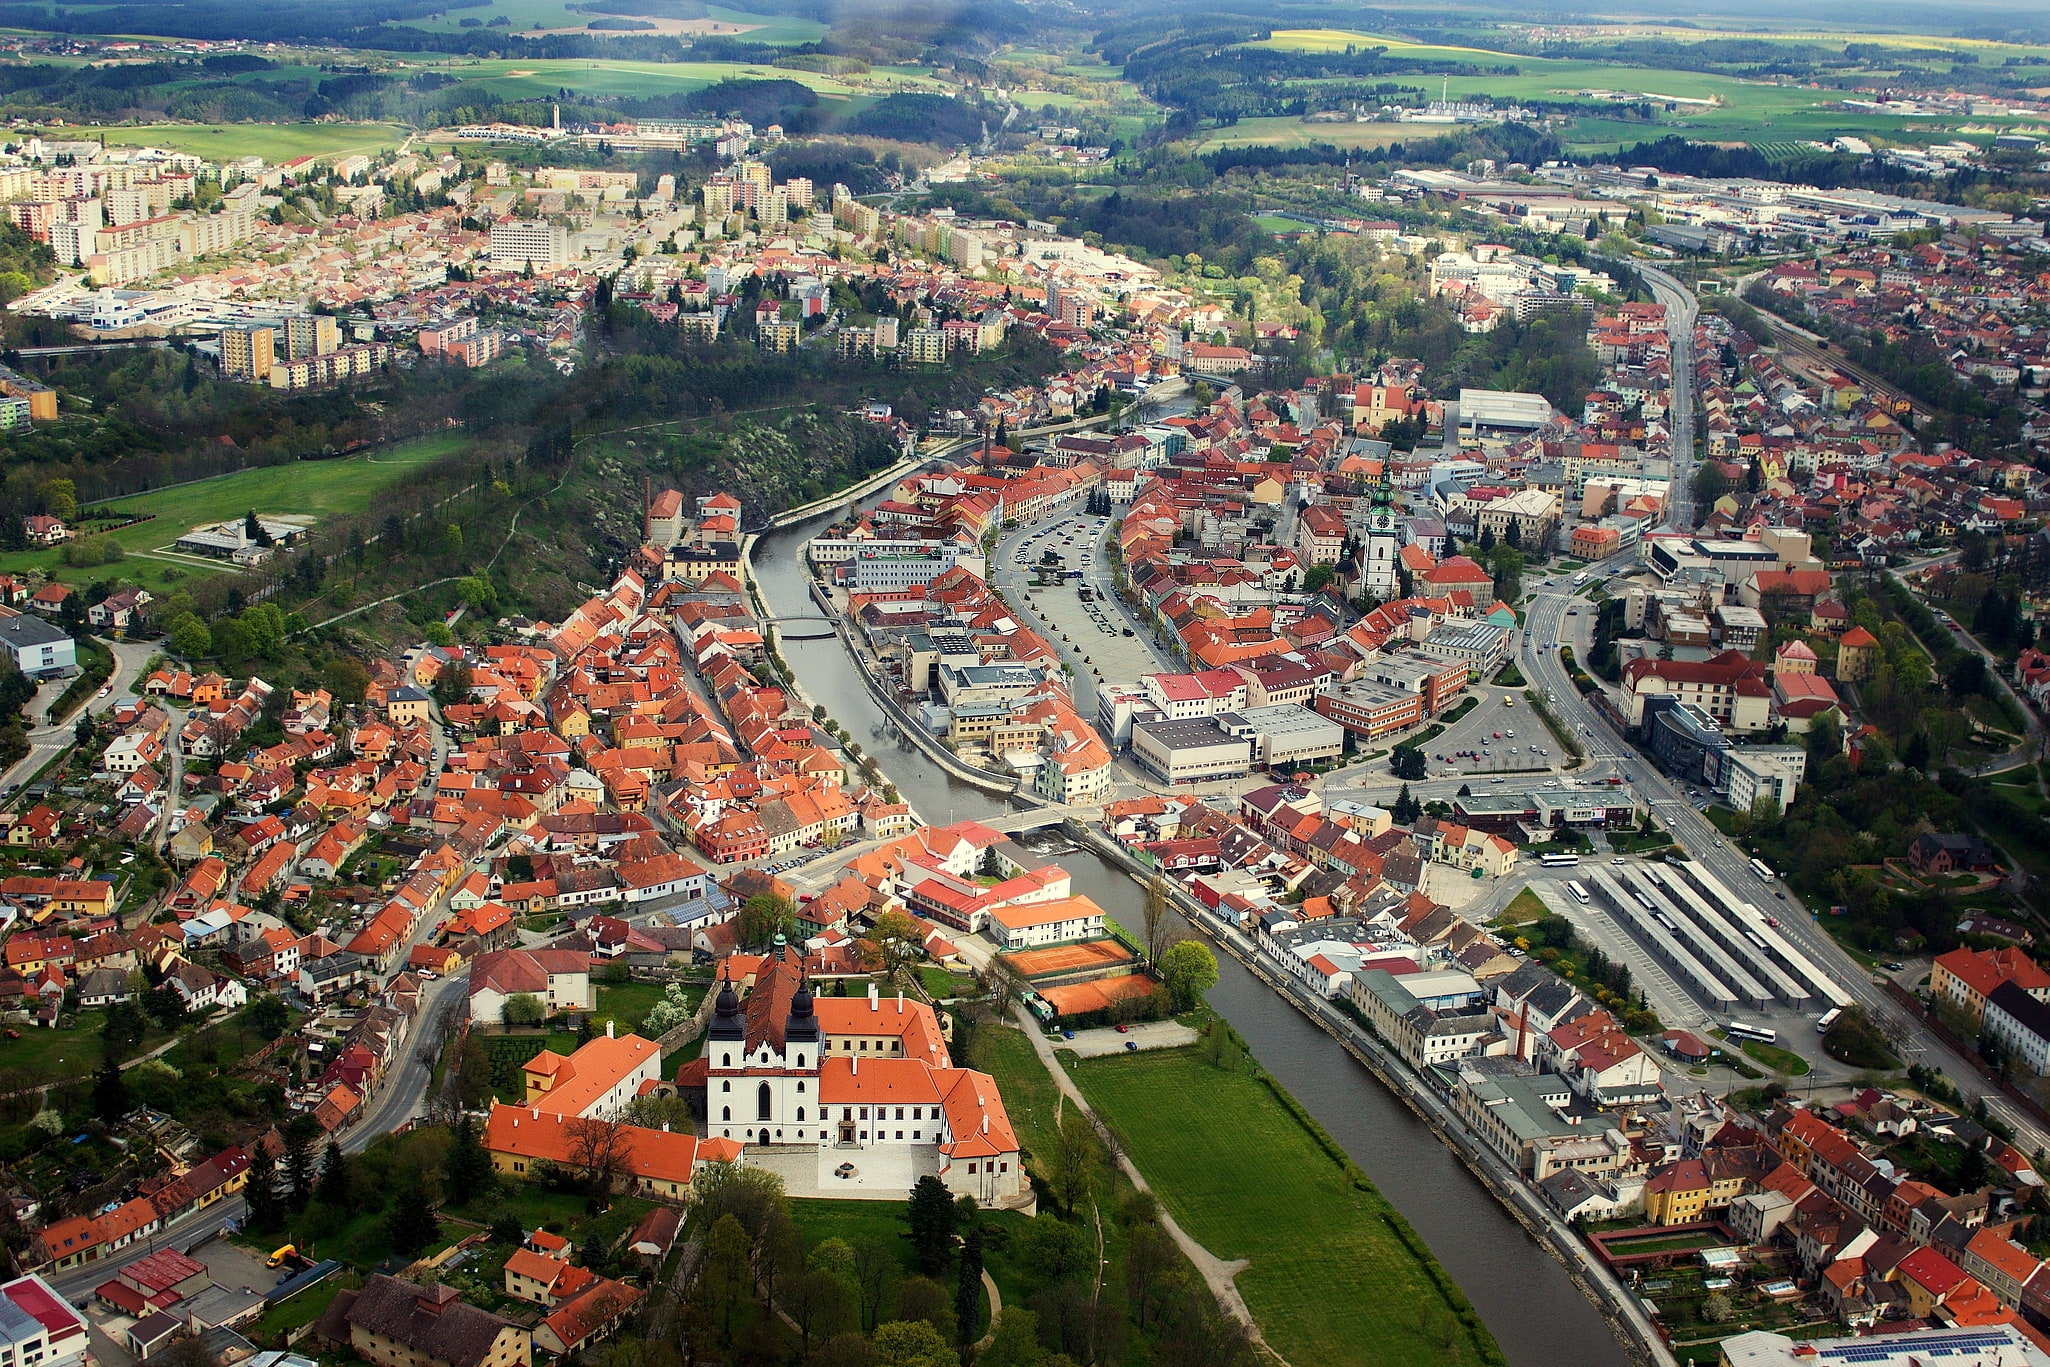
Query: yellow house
(1268, 491)
(406, 705)
(1678, 1195)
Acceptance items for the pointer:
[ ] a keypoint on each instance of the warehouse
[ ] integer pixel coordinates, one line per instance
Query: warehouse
(1285, 734)
(1190, 751)
(1497, 408)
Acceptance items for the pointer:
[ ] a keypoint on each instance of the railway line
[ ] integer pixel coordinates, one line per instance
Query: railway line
(1797, 344)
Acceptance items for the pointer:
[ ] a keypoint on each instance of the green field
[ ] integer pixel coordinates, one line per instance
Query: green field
(525, 15)
(1744, 110)
(541, 79)
(1331, 1281)
(1029, 1096)
(274, 142)
(1289, 131)
(316, 488)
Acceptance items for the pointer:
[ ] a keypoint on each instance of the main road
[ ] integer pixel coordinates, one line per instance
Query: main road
(1705, 845)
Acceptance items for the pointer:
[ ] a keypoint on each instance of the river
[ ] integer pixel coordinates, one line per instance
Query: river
(1534, 1311)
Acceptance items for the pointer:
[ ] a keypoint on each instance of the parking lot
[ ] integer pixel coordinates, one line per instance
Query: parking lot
(1094, 631)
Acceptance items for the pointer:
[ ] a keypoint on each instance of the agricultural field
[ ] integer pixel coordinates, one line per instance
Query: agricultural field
(525, 15)
(636, 80)
(274, 142)
(1331, 1279)
(1743, 110)
(1286, 131)
(319, 489)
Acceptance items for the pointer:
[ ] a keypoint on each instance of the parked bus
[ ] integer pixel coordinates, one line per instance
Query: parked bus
(1560, 861)
(1667, 922)
(1739, 1030)
(1762, 869)
(1755, 938)
(1827, 1019)
(1573, 886)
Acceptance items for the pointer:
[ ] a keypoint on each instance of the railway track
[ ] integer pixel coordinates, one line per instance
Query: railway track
(1793, 343)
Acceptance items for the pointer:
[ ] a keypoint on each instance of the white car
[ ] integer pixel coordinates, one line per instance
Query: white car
(106, 692)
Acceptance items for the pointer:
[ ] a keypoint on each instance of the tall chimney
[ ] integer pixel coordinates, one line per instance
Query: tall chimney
(874, 1004)
(608, 1030)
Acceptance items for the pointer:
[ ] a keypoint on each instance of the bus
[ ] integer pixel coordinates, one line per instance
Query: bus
(1827, 1019)
(1578, 580)
(1560, 861)
(1668, 923)
(1088, 594)
(1573, 886)
(1739, 1030)
(1762, 869)
(1755, 938)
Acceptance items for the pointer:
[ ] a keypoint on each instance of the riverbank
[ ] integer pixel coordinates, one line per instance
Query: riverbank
(1332, 1274)
(1626, 1317)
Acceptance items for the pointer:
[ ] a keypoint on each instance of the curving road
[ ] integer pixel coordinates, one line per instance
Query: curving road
(405, 1087)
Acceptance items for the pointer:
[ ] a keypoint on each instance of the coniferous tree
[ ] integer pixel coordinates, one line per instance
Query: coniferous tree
(333, 1191)
(932, 1224)
(266, 1207)
(110, 1092)
(466, 1172)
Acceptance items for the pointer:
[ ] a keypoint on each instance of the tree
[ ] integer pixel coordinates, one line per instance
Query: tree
(301, 1167)
(473, 1074)
(260, 1191)
(968, 1291)
(1915, 754)
(913, 1343)
(1716, 1308)
(893, 942)
(763, 917)
(524, 1009)
(597, 1147)
(335, 1189)
(875, 1276)
(126, 1025)
(1406, 809)
(1189, 970)
(932, 1225)
(817, 1302)
(1149, 1257)
(189, 636)
(110, 1093)
(466, 1172)
(1156, 915)
(727, 1278)
(1966, 675)
(166, 1006)
(1070, 1168)
(269, 1017)
(410, 1219)
(1408, 763)
(1053, 1249)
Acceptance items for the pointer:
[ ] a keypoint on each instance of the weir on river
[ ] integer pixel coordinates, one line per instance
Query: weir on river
(1536, 1314)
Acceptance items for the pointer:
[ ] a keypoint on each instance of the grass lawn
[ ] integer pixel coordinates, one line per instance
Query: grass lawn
(304, 1308)
(274, 142)
(1771, 1055)
(625, 1004)
(559, 1212)
(314, 488)
(1029, 1094)
(1523, 909)
(1331, 1280)
(71, 1051)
